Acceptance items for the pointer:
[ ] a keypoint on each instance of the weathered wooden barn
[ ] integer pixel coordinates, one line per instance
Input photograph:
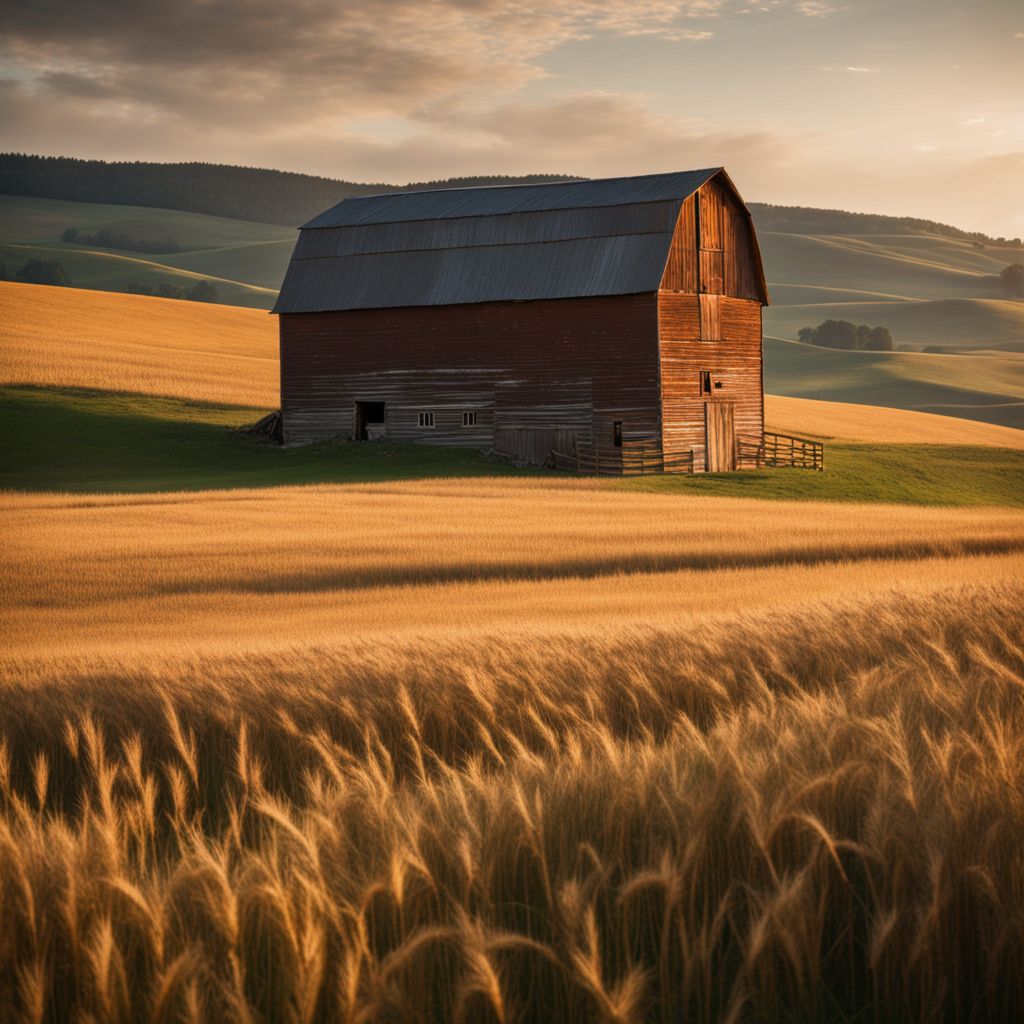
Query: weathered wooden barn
(613, 322)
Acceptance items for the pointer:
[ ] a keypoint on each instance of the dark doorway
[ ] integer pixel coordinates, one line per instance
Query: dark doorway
(368, 413)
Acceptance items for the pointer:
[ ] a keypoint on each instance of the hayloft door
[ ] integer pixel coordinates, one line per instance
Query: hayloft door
(720, 425)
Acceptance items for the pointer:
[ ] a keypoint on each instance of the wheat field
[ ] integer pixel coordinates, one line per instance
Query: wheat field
(497, 750)
(649, 824)
(253, 569)
(72, 337)
(507, 750)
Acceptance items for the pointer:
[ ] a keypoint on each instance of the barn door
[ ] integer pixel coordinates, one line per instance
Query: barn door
(721, 437)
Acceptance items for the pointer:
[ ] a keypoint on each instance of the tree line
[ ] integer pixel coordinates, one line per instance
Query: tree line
(201, 291)
(811, 220)
(846, 335)
(245, 193)
(107, 239)
(53, 272)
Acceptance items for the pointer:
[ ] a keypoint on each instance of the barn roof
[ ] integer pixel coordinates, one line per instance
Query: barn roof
(608, 236)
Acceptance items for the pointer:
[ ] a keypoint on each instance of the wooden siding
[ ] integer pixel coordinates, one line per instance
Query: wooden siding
(734, 362)
(601, 374)
(575, 365)
(725, 262)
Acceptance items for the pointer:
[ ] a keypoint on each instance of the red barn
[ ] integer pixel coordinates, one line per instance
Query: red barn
(595, 319)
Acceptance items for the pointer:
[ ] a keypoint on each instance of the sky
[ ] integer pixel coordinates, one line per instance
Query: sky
(907, 107)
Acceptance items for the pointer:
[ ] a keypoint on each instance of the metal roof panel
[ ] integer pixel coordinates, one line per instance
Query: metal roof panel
(491, 201)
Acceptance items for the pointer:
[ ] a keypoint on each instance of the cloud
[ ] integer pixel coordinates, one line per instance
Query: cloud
(854, 70)
(246, 63)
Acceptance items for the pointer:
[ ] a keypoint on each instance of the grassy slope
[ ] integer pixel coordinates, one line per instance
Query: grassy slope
(245, 260)
(873, 424)
(928, 290)
(89, 441)
(982, 386)
(73, 337)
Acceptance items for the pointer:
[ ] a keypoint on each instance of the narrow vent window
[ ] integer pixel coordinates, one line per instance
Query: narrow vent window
(426, 419)
(705, 382)
(617, 433)
(469, 419)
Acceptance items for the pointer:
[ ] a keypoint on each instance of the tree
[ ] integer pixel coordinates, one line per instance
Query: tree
(863, 335)
(170, 291)
(43, 272)
(203, 291)
(879, 340)
(1012, 279)
(70, 235)
(806, 335)
(836, 334)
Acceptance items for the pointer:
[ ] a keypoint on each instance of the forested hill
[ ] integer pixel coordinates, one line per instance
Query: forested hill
(283, 197)
(243, 193)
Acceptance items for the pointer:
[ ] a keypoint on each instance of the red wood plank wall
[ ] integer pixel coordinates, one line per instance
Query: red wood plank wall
(578, 364)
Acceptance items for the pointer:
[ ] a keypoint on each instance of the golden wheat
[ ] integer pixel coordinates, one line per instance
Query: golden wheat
(652, 825)
(265, 569)
(71, 337)
(872, 424)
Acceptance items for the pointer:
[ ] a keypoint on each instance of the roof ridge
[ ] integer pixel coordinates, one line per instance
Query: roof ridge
(533, 184)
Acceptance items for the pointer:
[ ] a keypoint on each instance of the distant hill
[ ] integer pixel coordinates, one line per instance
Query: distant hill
(243, 193)
(283, 197)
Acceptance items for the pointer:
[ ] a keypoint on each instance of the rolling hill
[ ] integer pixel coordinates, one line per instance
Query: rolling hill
(927, 288)
(245, 260)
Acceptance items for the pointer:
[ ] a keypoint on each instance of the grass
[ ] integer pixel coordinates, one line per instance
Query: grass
(93, 441)
(245, 260)
(929, 291)
(642, 825)
(987, 387)
(79, 440)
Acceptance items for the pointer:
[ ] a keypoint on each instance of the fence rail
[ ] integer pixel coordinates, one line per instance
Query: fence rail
(635, 458)
(783, 450)
(641, 457)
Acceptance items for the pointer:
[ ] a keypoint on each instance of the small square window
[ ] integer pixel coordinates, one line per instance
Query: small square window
(469, 419)
(426, 419)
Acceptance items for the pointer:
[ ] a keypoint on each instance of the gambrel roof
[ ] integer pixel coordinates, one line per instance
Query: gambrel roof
(608, 236)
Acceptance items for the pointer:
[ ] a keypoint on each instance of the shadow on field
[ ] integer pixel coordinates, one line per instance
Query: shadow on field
(81, 440)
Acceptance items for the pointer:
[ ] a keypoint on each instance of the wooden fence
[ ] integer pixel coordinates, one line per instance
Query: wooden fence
(780, 450)
(635, 458)
(640, 457)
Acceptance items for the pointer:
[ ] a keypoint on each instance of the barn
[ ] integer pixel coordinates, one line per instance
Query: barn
(605, 324)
